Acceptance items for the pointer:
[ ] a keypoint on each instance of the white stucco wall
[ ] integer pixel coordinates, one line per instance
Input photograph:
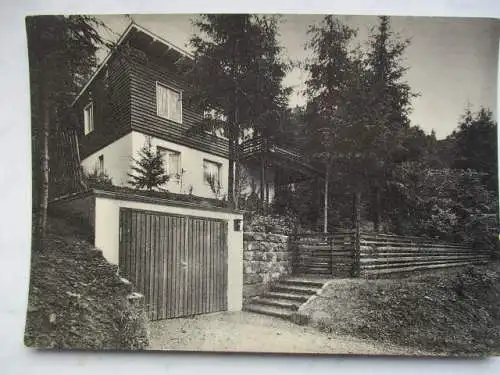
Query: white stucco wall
(107, 213)
(117, 160)
(191, 163)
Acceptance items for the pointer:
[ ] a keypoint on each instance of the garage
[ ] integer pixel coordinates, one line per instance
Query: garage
(178, 262)
(186, 258)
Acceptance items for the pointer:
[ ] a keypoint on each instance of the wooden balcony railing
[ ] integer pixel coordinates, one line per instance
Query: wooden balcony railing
(256, 146)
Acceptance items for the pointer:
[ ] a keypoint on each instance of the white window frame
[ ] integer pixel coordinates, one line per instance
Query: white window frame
(88, 121)
(165, 154)
(100, 163)
(219, 171)
(162, 85)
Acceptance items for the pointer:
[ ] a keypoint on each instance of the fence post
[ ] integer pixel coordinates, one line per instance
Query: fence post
(356, 267)
(292, 243)
(332, 258)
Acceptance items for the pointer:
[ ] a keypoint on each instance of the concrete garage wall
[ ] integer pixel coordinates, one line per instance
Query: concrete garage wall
(107, 238)
(266, 258)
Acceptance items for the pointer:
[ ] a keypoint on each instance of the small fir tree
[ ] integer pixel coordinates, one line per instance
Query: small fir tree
(149, 170)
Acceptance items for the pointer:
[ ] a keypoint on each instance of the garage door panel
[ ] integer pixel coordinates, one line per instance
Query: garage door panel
(179, 263)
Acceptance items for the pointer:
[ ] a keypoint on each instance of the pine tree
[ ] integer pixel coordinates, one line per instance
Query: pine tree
(148, 172)
(390, 104)
(238, 73)
(476, 146)
(339, 130)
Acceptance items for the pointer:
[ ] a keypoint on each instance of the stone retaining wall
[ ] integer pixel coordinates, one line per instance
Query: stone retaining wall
(266, 258)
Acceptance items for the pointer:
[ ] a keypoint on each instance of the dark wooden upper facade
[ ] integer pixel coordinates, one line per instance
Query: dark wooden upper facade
(123, 93)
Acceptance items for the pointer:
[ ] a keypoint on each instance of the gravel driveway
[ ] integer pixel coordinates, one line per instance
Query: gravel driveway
(249, 332)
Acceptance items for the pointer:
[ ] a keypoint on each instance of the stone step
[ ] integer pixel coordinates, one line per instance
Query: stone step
(288, 296)
(299, 281)
(292, 288)
(278, 302)
(275, 311)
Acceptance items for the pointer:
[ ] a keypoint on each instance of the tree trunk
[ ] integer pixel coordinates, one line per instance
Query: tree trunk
(325, 210)
(377, 214)
(356, 217)
(237, 187)
(262, 182)
(357, 229)
(44, 165)
(233, 143)
(230, 173)
(236, 156)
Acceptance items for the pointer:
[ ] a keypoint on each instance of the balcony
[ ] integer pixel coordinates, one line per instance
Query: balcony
(266, 150)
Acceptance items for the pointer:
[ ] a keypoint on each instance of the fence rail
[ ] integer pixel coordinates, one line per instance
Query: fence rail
(324, 254)
(347, 253)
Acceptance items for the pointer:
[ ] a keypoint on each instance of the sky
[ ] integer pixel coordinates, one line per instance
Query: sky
(452, 62)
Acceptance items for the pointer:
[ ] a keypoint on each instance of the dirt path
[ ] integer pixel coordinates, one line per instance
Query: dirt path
(248, 332)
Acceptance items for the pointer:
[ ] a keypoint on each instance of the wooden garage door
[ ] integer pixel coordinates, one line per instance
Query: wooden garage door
(179, 263)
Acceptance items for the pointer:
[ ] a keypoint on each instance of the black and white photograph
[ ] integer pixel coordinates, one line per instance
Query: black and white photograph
(264, 183)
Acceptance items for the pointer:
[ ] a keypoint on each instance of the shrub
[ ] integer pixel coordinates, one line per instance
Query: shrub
(97, 177)
(148, 172)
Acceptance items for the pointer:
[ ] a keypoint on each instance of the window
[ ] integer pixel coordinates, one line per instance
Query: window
(88, 118)
(172, 161)
(168, 103)
(211, 172)
(100, 164)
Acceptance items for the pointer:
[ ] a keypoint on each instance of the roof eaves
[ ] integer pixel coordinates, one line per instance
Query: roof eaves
(131, 26)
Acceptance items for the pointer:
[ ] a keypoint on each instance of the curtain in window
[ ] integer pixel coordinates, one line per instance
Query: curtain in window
(174, 105)
(173, 163)
(172, 160)
(211, 169)
(169, 103)
(162, 101)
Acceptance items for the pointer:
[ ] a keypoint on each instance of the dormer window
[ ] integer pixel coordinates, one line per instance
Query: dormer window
(88, 118)
(168, 103)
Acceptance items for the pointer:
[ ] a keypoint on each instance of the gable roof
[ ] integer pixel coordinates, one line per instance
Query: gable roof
(128, 31)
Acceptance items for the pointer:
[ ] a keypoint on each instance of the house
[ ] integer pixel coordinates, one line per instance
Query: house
(184, 255)
(136, 93)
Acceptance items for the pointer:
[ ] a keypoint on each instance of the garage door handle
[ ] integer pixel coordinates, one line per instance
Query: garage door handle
(184, 264)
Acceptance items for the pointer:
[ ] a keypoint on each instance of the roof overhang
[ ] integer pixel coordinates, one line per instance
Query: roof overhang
(135, 32)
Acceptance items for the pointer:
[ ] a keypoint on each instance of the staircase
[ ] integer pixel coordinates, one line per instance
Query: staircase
(285, 297)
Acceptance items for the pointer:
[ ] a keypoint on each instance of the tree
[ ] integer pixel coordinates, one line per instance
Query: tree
(390, 104)
(476, 146)
(238, 73)
(61, 51)
(451, 204)
(337, 111)
(149, 168)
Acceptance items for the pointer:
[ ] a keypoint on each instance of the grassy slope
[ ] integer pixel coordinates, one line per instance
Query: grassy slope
(77, 300)
(454, 312)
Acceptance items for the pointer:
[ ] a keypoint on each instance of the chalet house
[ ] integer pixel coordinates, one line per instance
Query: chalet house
(135, 94)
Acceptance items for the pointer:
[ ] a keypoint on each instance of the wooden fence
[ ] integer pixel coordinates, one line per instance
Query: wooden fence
(323, 254)
(383, 254)
(347, 253)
